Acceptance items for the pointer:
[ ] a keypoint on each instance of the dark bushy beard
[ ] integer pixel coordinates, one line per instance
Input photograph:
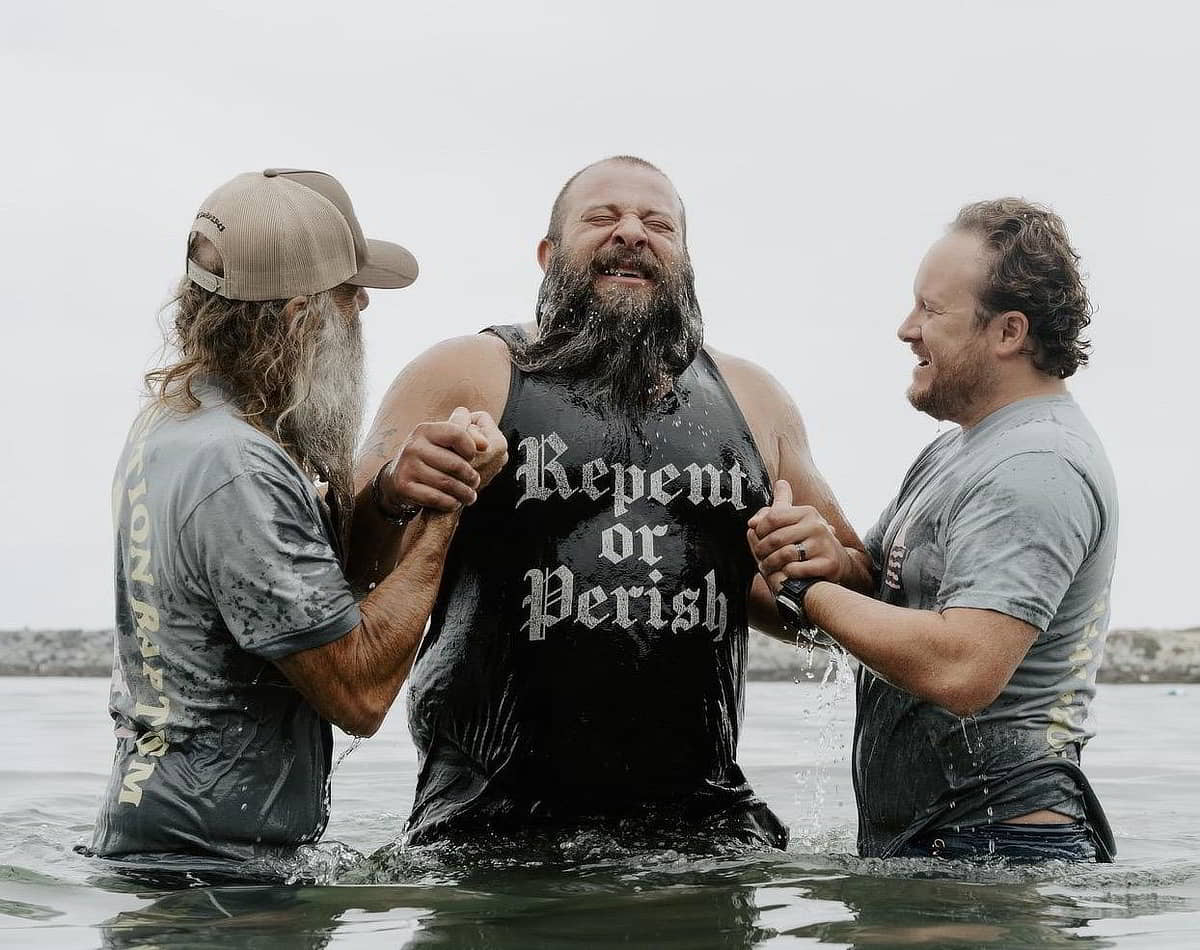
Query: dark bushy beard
(626, 346)
(322, 427)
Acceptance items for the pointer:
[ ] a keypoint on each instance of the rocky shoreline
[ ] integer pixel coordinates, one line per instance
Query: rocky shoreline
(1131, 656)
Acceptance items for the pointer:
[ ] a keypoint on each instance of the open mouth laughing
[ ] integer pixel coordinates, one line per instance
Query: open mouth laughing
(630, 271)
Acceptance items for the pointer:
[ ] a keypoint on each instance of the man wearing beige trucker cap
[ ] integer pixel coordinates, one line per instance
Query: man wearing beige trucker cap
(238, 637)
(283, 233)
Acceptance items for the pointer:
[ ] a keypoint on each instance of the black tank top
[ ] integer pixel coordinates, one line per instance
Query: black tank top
(586, 652)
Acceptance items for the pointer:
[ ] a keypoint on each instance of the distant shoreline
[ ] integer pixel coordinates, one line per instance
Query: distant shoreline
(1130, 656)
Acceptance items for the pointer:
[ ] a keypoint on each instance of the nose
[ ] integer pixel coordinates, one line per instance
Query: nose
(630, 232)
(909, 330)
(362, 299)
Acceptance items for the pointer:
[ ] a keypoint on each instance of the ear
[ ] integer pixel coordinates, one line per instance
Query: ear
(293, 307)
(544, 250)
(1012, 332)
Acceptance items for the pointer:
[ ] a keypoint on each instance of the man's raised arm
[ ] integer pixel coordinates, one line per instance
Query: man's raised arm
(779, 432)
(408, 461)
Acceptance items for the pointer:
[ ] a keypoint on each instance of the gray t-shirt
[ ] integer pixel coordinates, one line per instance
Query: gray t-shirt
(223, 564)
(1017, 515)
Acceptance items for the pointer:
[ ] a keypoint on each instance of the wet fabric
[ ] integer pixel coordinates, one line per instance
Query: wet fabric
(223, 564)
(586, 655)
(522, 840)
(1034, 842)
(1017, 515)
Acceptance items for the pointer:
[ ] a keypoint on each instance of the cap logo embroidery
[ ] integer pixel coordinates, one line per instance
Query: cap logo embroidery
(213, 218)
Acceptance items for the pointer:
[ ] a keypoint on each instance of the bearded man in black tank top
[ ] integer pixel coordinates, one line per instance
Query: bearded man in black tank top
(585, 659)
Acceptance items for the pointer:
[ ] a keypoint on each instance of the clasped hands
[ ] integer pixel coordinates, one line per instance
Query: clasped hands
(444, 465)
(790, 540)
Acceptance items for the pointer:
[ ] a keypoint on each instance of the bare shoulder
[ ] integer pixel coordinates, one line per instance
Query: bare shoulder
(746, 378)
(770, 412)
(758, 393)
(474, 352)
(471, 371)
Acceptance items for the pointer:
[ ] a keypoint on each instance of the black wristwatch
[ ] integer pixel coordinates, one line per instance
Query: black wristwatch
(790, 601)
(403, 515)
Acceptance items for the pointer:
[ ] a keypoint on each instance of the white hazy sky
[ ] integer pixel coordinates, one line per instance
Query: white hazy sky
(820, 148)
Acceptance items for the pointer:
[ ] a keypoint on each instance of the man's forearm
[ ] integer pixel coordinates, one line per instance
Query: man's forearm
(375, 544)
(934, 656)
(394, 613)
(354, 680)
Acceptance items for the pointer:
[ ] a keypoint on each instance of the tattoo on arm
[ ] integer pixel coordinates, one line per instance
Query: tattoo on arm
(379, 446)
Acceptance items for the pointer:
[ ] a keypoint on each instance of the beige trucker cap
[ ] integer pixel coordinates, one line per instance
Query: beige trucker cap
(284, 232)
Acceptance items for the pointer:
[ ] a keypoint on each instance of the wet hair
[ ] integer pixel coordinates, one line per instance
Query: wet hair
(1035, 270)
(623, 348)
(558, 210)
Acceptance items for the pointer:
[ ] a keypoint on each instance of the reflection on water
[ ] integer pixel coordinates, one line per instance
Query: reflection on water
(605, 890)
(718, 903)
(518, 917)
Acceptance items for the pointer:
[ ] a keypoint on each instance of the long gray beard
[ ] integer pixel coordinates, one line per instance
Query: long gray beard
(627, 348)
(328, 402)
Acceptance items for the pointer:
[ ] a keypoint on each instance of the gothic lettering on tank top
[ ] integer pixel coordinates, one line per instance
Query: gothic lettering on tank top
(587, 648)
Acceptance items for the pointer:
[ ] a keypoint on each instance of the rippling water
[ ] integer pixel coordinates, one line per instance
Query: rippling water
(56, 747)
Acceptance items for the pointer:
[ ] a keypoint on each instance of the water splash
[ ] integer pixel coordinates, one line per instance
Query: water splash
(835, 688)
(328, 792)
(354, 744)
(322, 863)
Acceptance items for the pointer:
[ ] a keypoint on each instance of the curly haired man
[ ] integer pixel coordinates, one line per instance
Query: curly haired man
(993, 564)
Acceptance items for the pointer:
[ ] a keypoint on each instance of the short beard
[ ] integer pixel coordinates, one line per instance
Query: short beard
(956, 388)
(321, 425)
(627, 346)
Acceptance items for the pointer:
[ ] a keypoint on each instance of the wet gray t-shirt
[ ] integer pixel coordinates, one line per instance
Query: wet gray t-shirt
(1017, 515)
(223, 564)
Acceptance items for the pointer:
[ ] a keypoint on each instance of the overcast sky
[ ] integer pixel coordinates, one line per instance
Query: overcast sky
(820, 148)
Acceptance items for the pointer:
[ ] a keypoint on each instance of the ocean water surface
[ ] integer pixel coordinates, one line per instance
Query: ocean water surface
(588, 891)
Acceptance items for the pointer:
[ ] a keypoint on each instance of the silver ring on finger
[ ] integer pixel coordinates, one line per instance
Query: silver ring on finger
(801, 554)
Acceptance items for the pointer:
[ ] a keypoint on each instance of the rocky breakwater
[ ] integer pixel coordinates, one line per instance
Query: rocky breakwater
(56, 652)
(1131, 656)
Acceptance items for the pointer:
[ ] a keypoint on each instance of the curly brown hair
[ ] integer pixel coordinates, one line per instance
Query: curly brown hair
(1033, 270)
